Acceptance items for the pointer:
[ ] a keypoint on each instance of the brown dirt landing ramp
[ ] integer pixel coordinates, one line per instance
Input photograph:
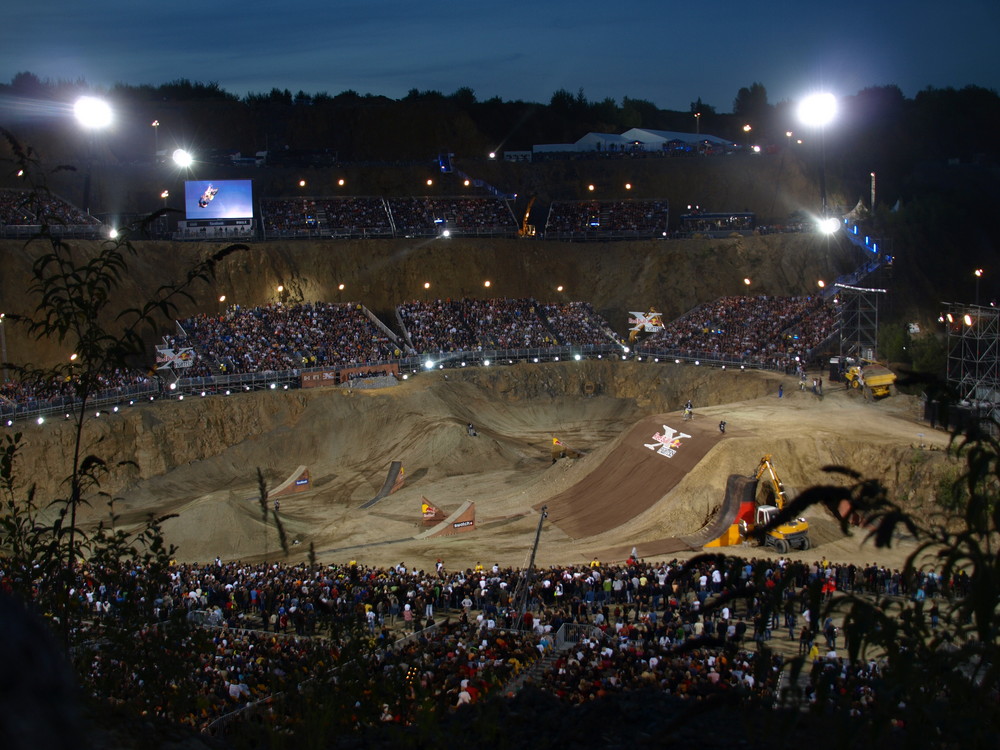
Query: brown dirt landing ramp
(649, 460)
(739, 489)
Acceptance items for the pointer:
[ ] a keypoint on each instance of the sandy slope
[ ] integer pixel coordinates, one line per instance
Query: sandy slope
(348, 439)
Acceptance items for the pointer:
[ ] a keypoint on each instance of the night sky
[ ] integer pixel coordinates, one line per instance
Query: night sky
(668, 53)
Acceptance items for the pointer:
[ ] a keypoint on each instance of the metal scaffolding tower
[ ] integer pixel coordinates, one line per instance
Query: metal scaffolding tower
(974, 357)
(857, 319)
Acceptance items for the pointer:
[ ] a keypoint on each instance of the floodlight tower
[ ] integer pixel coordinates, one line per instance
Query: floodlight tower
(818, 111)
(92, 114)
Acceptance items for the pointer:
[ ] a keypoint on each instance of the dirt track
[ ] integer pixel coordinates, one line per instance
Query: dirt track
(348, 439)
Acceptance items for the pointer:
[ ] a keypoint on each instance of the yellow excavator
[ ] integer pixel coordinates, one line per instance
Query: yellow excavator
(792, 534)
(527, 230)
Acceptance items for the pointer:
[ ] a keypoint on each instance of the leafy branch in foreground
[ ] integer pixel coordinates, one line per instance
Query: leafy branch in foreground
(940, 645)
(78, 288)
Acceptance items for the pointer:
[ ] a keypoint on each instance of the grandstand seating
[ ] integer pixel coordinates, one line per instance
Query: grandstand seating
(592, 219)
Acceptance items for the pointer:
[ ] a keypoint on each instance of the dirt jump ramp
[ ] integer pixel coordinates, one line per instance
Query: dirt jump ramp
(649, 460)
(390, 484)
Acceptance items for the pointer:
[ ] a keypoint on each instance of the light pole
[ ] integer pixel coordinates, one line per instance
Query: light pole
(697, 123)
(873, 191)
(818, 110)
(978, 273)
(93, 114)
(746, 130)
(156, 140)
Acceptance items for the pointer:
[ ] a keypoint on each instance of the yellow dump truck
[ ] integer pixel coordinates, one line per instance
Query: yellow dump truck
(870, 378)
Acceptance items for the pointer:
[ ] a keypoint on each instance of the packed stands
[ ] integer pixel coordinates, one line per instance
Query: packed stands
(424, 216)
(24, 211)
(276, 337)
(775, 332)
(358, 217)
(325, 217)
(281, 341)
(607, 220)
(471, 324)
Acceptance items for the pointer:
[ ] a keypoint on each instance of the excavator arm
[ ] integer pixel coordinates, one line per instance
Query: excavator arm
(766, 467)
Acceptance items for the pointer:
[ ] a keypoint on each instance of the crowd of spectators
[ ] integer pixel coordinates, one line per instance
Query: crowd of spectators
(638, 218)
(356, 217)
(288, 217)
(26, 208)
(277, 337)
(578, 324)
(424, 215)
(472, 324)
(328, 217)
(380, 217)
(32, 393)
(758, 329)
(451, 636)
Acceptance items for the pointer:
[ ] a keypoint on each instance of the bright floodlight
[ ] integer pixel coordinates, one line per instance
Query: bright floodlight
(818, 109)
(182, 158)
(92, 113)
(829, 225)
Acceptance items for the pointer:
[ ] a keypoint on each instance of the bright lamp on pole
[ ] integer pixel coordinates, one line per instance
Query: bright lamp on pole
(818, 111)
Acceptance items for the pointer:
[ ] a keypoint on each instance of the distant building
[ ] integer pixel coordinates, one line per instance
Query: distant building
(639, 139)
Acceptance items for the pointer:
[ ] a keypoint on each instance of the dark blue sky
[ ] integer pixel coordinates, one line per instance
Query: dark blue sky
(667, 53)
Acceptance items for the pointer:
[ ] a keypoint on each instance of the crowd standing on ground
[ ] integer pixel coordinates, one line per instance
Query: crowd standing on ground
(460, 634)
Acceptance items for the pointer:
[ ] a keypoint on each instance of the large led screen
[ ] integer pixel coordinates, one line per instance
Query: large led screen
(218, 199)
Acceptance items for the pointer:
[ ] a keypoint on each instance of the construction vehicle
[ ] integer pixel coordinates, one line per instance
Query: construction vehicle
(527, 230)
(792, 534)
(875, 381)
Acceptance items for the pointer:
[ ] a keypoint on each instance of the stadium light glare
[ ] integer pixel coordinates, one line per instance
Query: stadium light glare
(818, 110)
(576, 357)
(486, 363)
(41, 420)
(429, 365)
(173, 386)
(829, 225)
(182, 158)
(92, 113)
